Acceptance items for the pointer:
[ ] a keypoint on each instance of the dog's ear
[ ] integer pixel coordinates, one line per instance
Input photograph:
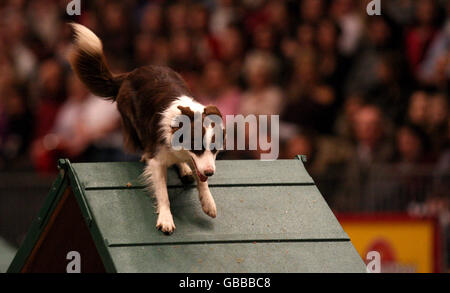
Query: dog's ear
(211, 110)
(187, 111)
(184, 111)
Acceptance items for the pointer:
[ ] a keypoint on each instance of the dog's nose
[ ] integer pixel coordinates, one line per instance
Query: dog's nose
(209, 173)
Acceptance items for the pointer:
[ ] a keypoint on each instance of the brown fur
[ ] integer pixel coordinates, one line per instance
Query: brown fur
(143, 96)
(93, 71)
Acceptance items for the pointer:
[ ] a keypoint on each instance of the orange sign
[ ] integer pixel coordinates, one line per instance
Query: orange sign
(405, 243)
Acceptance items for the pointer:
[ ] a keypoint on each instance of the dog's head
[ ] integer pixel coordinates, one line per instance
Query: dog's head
(202, 148)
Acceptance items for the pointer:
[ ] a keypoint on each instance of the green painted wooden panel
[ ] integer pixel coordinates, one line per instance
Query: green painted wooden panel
(251, 172)
(271, 218)
(127, 216)
(301, 257)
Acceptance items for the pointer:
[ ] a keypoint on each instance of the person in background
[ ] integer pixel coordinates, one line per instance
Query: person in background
(360, 187)
(437, 122)
(312, 10)
(50, 94)
(344, 122)
(417, 109)
(412, 161)
(412, 145)
(263, 96)
(218, 90)
(344, 12)
(370, 135)
(378, 39)
(85, 128)
(310, 102)
(421, 34)
(231, 51)
(16, 121)
(433, 70)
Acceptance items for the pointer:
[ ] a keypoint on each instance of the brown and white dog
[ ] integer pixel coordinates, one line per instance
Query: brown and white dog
(148, 99)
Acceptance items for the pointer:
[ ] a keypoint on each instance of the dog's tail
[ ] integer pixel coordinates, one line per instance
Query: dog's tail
(89, 63)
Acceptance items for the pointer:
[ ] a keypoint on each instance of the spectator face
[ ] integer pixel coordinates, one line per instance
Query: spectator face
(259, 68)
(409, 145)
(76, 88)
(341, 7)
(257, 77)
(311, 10)
(384, 71)
(144, 48)
(306, 69)
(14, 104)
(176, 16)
(263, 37)
(214, 76)
(162, 52)
(14, 28)
(417, 111)
(231, 44)
(299, 145)
(352, 106)
(441, 74)
(50, 77)
(323, 95)
(198, 18)
(367, 126)
(437, 113)
(379, 31)
(425, 11)
(114, 17)
(151, 18)
(181, 47)
(277, 14)
(327, 36)
(306, 35)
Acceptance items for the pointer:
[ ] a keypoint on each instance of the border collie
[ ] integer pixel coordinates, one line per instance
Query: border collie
(149, 98)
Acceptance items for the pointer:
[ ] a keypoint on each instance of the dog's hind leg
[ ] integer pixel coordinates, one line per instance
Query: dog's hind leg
(156, 175)
(206, 199)
(185, 173)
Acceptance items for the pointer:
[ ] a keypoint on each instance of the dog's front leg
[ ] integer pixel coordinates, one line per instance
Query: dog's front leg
(185, 172)
(206, 199)
(158, 178)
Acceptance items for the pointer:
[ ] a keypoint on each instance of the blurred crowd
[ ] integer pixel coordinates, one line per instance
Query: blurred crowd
(362, 96)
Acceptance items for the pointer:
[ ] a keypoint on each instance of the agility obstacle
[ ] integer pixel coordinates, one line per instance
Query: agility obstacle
(271, 218)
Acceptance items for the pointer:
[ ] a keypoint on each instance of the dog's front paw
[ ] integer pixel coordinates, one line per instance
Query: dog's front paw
(209, 206)
(165, 223)
(187, 179)
(185, 173)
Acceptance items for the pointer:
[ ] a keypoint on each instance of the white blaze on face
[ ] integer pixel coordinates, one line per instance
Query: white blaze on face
(205, 162)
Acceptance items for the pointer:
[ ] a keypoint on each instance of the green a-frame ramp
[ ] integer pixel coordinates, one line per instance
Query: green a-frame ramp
(271, 218)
